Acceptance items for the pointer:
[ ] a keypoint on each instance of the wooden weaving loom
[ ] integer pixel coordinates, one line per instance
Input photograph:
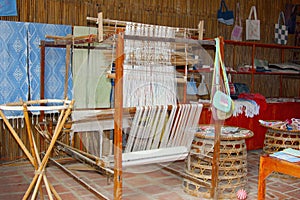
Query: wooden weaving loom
(167, 131)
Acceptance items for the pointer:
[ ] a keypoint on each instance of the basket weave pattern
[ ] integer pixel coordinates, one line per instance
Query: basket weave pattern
(232, 168)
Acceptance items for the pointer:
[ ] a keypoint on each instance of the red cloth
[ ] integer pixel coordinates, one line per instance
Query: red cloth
(258, 98)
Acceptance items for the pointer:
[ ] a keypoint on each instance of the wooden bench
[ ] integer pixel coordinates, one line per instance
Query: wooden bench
(270, 164)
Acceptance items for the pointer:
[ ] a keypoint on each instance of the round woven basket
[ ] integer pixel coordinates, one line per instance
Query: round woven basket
(232, 169)
(277, 139)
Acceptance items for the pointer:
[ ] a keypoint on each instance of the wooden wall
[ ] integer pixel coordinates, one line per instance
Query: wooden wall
(176, 13)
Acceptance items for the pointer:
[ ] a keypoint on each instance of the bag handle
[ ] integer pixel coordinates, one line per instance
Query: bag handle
(216, 75)
(223, 5)
(253, 9)
(281, 15)
(237, 16)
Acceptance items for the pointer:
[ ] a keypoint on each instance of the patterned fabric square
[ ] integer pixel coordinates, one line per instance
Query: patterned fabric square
(20, 63)
(8, 8)
(281, 34)
(54, 62)
(13, 64)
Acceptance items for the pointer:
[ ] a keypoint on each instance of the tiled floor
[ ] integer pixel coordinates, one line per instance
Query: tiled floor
(139, 183)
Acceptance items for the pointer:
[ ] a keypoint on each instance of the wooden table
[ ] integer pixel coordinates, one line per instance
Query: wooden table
(270, 164)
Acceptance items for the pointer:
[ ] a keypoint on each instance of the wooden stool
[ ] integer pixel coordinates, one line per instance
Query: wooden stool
(232, 167)
(270, 164)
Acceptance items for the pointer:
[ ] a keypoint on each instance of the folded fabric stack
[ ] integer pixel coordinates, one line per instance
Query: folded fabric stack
(289, 124)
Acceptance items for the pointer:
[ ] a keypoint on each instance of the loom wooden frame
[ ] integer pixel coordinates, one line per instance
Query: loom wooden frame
(119, 102)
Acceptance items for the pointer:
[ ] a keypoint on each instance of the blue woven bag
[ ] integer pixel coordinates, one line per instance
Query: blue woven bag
(225, 16)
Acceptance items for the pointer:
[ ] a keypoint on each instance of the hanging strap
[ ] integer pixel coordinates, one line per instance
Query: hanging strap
(281, 15)
(253, 10)
(219, 63)
(223, 5)
(238, 20)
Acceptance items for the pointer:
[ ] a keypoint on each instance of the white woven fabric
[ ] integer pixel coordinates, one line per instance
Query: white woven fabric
(248, 107)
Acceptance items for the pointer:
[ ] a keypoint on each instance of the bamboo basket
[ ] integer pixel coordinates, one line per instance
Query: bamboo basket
(232, 168)
(277, 139)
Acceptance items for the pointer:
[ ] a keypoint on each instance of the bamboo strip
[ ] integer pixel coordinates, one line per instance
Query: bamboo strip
(17, 138)
(37, 177)
(35, 153)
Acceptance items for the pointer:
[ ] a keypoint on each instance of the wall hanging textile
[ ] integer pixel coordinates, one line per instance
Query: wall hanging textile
(91, 87)
(281, 30)
(224, 15)
(55, 61)
(252, 26)
(237, 31)
(13, 67)
(20, 63)
(8, 8)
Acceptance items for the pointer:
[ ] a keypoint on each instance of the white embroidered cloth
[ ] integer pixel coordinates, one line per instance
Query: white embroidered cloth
(249, 107)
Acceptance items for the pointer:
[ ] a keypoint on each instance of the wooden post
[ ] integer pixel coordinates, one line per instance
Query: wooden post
(68, 54)
(216, 155)
(100, 27)
(200, 29)
(118, 116)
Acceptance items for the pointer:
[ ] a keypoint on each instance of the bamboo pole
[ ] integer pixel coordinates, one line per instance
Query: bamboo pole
(17, 138)
(37, 177)
(34, 151)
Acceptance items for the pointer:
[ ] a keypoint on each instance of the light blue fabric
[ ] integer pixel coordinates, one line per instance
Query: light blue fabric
(8, 8)
(20, 63)
(55, 62)
(13, 66)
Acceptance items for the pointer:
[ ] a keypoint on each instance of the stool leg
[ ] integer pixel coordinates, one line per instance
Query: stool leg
(264, 170)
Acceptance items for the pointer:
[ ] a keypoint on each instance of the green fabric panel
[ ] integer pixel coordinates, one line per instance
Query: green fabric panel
(91, 87)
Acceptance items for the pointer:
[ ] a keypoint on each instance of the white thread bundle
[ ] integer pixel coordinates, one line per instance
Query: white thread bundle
(153, 127)
(149, 77)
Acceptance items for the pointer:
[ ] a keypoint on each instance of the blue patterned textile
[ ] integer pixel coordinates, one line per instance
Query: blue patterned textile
(20, 63)
(8, 8)
(55, 62)
(13, 65)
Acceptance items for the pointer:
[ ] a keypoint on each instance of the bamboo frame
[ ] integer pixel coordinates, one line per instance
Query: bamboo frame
(33, 156)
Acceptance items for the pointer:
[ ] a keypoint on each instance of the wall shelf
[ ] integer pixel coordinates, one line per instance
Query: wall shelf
(253, 53)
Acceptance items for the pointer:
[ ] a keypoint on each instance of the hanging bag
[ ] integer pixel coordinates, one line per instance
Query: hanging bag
(237, 31)
(225, 16)
(202, 88)
(252, 26)
(221, 101)
(281, 30)
(191, 86)
(290, 14)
